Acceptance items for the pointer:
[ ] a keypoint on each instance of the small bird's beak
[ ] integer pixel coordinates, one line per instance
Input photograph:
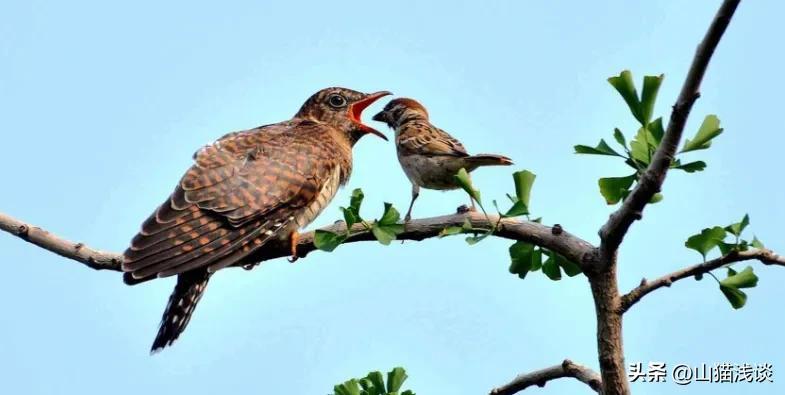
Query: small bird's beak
(381, 116)
(356, 109)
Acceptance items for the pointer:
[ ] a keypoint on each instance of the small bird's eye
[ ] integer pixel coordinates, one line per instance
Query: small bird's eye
(336, 101)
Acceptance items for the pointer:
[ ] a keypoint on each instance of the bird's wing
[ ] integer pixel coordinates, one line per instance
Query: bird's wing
(426, 139)
(242, 190)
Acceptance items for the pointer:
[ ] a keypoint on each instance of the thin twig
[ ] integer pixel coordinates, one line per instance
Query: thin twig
(765, 256)
(540, 377)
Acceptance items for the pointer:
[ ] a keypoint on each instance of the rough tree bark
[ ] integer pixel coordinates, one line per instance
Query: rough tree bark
(599, 263)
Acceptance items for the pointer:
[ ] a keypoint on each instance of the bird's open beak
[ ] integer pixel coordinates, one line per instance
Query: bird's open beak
(356, 110)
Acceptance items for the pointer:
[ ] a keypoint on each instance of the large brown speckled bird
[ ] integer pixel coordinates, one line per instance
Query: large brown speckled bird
(243, 190)
(429, 156)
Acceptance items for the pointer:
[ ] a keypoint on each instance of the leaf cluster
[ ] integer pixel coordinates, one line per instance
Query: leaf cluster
(374, 384)
(639, 151)
(728, 240)
(385, 229)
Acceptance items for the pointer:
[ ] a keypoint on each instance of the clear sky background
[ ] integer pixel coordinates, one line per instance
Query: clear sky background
(102, 106)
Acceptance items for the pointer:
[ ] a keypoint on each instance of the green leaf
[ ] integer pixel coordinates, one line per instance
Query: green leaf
(351, 214)
(706, 240)
(377, 379)
(726, 248)
(472, 240)
(656, 198)
(736, 297)
(744, 279)
(646, 142)
(387, 227)
(463, 179)
(395, 379)
(691, 167)
(408, 392)
(521, 256)
(356, 200)
(656, 132)
(382, 234)
(350, 217)
(619, 136)
(613, 188)
(326, 240)
(601, 149)
(710, 128)
(450, 230)
(517, 209)
(757, 243)
(536, 260)
(390, 216)
(651, 85)
(626, 88)
(551, 268)
(350, 387)
(738, 227)
(367, 385)
(570, 268)
(524, 180)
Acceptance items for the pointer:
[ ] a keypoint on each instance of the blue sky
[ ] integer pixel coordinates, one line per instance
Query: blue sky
(102, 106)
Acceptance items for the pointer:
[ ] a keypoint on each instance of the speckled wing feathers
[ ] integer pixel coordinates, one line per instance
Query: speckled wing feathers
(422, 138)
(242, 190)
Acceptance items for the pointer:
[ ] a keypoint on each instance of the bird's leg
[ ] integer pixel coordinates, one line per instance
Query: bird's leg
(294, 240)
(415, 194)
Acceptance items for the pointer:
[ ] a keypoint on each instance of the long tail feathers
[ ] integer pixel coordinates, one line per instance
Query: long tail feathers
(189, 289)
(488, 160)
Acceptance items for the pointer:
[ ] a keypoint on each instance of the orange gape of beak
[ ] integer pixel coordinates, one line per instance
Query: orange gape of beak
(356, 110)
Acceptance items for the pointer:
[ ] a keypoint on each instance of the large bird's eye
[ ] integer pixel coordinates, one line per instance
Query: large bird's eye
(336, 100)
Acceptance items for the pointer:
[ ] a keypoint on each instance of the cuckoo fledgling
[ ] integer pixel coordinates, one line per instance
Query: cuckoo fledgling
(429, 156)
(243, 190)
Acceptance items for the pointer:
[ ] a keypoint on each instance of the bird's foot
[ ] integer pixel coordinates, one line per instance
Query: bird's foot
(294, 240)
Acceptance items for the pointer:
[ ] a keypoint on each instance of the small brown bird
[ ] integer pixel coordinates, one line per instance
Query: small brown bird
(245, 189)
(430, 157)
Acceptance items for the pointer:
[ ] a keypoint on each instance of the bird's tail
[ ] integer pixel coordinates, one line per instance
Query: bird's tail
(476, 161)
(189, 289)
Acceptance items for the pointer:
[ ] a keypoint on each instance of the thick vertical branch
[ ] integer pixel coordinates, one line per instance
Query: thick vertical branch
(610, 350)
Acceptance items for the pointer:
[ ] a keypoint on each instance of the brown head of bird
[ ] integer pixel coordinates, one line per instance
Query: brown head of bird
(401, 110)
(341, 108)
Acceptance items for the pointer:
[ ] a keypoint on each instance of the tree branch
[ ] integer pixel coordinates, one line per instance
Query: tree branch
(555, 239)
(651, 181)
(767, 257)
(540, 377)
(96, 259)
